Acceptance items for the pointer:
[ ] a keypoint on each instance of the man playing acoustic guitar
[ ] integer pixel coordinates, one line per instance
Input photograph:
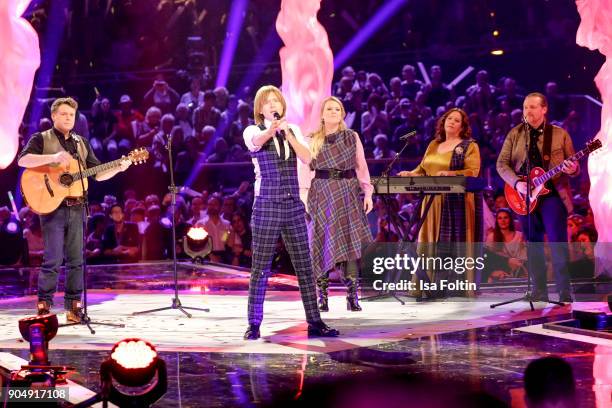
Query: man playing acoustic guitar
(62, 228)
(549, 146)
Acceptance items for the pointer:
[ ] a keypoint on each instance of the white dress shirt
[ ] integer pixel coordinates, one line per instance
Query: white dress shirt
(253, 130)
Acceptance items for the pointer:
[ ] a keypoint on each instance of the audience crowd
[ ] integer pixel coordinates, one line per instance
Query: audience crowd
(205, 125)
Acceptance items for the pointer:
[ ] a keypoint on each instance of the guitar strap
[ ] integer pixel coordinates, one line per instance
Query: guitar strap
(546, 148)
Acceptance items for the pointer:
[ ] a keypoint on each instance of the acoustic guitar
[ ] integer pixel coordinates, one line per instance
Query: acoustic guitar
(45, 187)
(538, 177)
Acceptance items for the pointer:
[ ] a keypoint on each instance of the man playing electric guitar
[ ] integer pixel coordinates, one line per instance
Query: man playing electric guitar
(62, 228)
(549, 146)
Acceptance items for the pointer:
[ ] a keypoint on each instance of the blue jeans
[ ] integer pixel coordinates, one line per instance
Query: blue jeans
(63, 238)
(549, 217)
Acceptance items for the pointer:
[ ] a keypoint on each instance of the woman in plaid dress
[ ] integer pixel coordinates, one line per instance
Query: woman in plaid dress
(338, 215)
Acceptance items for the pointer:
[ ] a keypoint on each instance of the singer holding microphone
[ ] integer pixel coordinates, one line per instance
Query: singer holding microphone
(276, 146)
(547, 146)
(452, 217)
(62, 229)
(338, 215)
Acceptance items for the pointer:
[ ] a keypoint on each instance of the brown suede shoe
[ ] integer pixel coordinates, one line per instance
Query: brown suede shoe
(43, 307)
(74, 314)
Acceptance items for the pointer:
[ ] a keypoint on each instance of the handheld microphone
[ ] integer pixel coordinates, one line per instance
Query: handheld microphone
(408, 135)
(277, 117)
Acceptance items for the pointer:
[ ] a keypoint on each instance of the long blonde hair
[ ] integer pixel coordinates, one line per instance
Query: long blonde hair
(318, 136)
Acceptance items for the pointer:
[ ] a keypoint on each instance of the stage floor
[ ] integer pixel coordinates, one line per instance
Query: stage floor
(210, 365)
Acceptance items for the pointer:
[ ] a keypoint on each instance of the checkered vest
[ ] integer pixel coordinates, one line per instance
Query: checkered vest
(279, 180)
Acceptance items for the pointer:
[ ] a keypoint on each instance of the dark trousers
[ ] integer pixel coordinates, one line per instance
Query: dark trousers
(269, 221)
(549, 217)
(62, 232)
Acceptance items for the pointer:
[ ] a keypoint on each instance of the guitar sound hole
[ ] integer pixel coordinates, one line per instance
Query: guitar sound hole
(66, 179)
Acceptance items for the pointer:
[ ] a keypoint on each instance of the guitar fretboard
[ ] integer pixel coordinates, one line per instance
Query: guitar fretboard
(97, 169)
(556, 170)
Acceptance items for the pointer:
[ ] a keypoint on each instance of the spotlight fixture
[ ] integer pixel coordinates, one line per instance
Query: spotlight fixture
(197, 244)
(133, 375)
(498, 51)
(38, 331)
(11, 242)
(12, 227)
(132, 362)
(197, 57)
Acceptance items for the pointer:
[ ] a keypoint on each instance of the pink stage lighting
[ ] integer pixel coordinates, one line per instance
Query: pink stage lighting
(595, 33)
(307, 61)
(20, 60)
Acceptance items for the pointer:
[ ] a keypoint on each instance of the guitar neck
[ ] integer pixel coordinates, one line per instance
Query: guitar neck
(556, 170)
(97, 169)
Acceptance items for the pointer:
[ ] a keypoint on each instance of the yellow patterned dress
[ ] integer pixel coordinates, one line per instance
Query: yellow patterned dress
(433, 161)
(430, 165)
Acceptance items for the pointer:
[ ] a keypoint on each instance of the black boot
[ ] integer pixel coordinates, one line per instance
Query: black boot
(350, 271)
(352, 300)
(252, 332)
(323, 285)
(320, 329)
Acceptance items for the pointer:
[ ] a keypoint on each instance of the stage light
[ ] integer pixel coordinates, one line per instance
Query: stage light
(38, 331)
(497, 52)
(378, 20)
(234, 26)
(166, 222)
(197, 244)
(495, 33)
(133, 362)
(12, 227)
(196, 56)
(133, 375)
(11, 242)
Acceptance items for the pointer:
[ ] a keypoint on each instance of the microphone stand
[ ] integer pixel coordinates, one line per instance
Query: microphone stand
(176, 302)
(391, 220)
(527, 297)
(82, 314)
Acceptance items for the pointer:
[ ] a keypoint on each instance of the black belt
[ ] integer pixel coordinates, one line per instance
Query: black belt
(335, 174)
(71, 202)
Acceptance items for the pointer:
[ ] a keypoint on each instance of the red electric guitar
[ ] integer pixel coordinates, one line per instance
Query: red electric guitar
(538, 177)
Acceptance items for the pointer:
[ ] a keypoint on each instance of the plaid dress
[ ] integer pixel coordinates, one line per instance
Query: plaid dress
(338, 225)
